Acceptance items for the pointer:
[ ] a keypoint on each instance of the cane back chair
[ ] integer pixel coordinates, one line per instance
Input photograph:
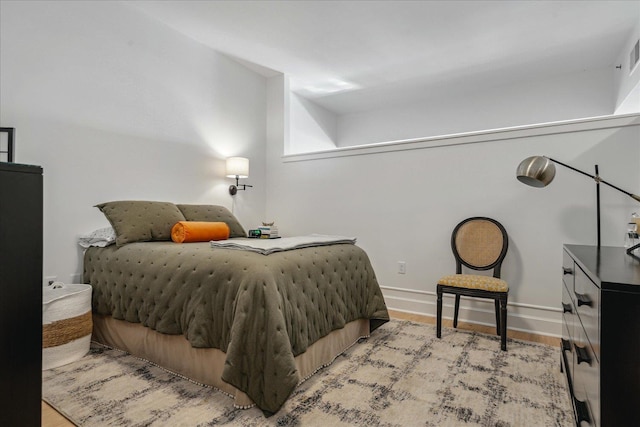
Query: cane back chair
(478, 243)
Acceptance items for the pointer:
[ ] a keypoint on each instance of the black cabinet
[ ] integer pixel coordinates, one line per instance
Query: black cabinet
(21, 298)
(601, 334)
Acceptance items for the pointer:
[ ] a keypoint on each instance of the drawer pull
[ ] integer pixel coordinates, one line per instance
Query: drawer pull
(566, 308)
(582, 412)
(566, 344)
(583, 354)
(566, 270)
(583, 299)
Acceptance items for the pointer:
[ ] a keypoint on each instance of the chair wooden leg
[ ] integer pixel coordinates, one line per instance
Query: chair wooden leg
(497, 305)
(439, 312)
(503, 323)
(455, 313)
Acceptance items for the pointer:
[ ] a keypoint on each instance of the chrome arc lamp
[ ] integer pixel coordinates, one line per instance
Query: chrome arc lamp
(237, 167)
(539, 171)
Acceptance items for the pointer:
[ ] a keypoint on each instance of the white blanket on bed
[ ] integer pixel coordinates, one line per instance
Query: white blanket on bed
(269, 246)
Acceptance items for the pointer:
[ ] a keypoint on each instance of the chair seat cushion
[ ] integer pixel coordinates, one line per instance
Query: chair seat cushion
(474, 281)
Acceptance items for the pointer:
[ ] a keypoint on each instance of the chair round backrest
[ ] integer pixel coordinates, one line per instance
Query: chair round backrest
(479, 243)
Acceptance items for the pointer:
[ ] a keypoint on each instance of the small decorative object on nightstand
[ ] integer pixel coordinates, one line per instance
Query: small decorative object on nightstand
(268, 230)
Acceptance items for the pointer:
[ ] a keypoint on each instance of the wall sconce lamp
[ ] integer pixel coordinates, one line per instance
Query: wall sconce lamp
(539, 171)
(237, 167)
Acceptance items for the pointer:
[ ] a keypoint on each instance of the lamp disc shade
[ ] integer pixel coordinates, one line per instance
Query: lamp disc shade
(536, 171)
(237, 166)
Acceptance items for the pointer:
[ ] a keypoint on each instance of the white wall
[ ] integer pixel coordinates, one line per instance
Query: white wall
(313, 128)
(278, 132)
(115, 105)
(626, 82)
(403, 202)
(564, 97)
(402, 206)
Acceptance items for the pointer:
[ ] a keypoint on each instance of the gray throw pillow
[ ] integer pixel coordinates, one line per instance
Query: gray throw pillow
(213, 213)
(141, 221)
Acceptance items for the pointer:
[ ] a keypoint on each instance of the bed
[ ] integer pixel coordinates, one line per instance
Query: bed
(252, 325)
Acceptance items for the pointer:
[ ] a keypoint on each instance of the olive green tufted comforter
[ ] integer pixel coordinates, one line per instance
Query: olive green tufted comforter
(261, 310)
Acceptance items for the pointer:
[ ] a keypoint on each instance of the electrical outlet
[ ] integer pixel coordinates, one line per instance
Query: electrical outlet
(402, 267)
(49, 280)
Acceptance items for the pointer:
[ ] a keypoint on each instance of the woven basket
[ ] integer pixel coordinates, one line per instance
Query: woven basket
(66, 323)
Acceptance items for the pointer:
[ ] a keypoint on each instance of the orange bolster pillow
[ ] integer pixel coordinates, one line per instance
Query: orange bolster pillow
(199, 231)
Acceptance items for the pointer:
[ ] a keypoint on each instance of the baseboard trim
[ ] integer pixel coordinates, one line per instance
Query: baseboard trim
(529, 318)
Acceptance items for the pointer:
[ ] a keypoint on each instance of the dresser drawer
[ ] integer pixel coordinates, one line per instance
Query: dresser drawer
(586, 371)
(569, 312)
(587, 303)
(569, 315)
(592, 387)
(568, 266)
(567, 349)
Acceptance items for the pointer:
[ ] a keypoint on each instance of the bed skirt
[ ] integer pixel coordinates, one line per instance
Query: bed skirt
(205, 365)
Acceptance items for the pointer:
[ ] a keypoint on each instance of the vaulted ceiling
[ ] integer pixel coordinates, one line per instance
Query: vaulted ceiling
(352, 56)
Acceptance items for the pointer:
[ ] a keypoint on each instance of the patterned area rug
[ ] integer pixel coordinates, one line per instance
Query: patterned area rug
(401, 376)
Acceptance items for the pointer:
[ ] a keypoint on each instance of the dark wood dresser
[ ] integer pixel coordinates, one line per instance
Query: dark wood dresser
(601, 334)
(21, 299)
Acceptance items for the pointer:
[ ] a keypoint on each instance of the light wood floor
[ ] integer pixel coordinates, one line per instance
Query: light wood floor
(51, 418)
(446, 323)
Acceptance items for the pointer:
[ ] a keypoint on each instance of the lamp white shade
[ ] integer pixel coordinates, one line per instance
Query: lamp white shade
(237, 167)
